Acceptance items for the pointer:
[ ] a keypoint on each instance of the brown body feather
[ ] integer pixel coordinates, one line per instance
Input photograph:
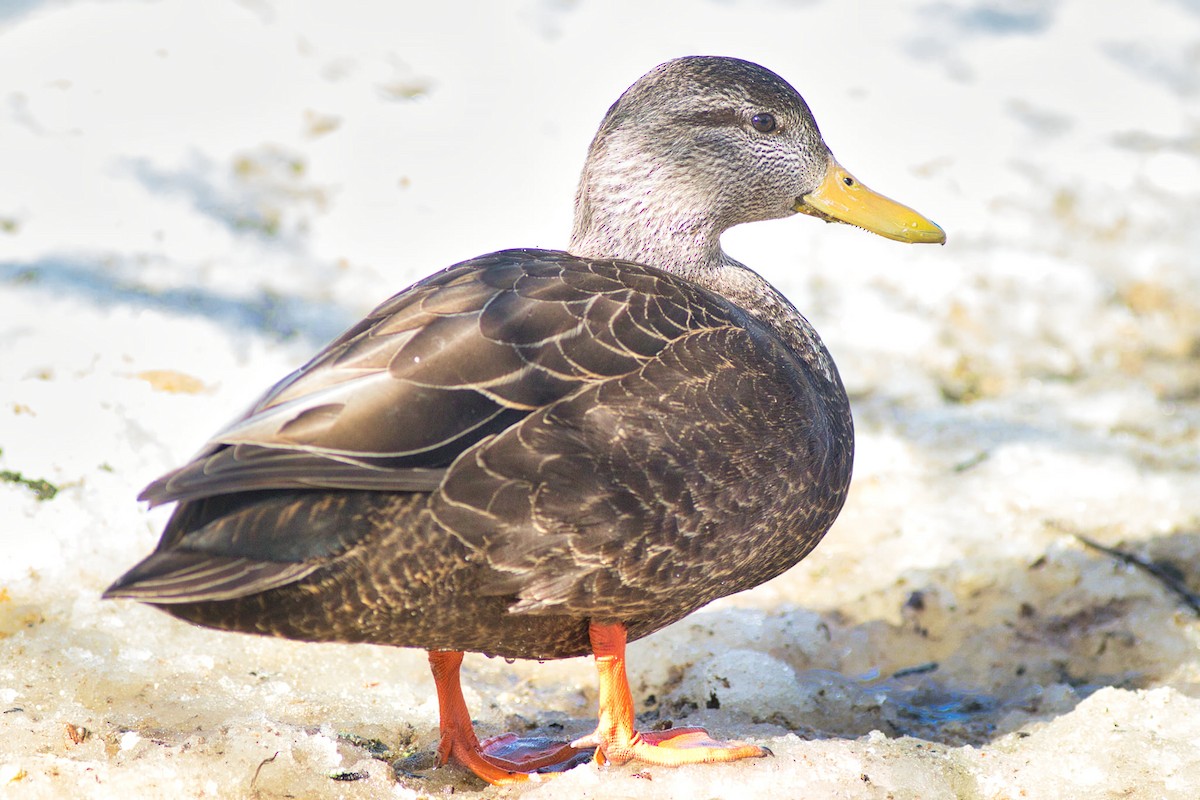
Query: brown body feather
(499, 454)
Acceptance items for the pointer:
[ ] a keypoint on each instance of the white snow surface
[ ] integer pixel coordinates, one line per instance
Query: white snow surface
(195, 196)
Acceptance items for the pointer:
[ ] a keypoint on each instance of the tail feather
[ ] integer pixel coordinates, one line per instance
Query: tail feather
(187, 576)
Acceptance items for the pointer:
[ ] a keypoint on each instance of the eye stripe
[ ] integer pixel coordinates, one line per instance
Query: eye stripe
(713, 117)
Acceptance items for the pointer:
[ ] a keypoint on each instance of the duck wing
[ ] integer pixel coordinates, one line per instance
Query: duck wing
(460, 356)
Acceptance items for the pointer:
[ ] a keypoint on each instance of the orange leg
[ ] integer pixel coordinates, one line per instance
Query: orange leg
(616, 739)
(501, 759)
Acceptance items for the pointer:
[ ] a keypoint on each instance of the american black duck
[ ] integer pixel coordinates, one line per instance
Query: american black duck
(543, 454)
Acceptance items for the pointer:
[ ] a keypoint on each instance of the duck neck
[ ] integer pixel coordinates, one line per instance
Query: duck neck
(685, 246)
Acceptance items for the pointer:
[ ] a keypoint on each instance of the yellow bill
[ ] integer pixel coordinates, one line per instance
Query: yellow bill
(841, 198)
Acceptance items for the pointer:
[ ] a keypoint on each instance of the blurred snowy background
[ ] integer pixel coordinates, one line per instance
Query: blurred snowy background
(195, 196)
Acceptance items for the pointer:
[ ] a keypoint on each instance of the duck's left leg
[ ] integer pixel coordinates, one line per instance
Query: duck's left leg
(616, 739)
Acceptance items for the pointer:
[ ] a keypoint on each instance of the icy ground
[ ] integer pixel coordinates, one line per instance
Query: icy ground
(194, 196)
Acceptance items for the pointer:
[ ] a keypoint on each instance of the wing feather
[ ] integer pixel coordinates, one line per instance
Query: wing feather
(441, 366)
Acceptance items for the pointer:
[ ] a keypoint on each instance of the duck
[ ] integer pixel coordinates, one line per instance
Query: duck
(542, 454)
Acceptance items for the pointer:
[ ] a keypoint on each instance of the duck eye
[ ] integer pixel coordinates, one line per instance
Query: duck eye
(763, 122)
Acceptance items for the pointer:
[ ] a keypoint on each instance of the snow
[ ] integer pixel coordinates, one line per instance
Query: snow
(195, 196)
